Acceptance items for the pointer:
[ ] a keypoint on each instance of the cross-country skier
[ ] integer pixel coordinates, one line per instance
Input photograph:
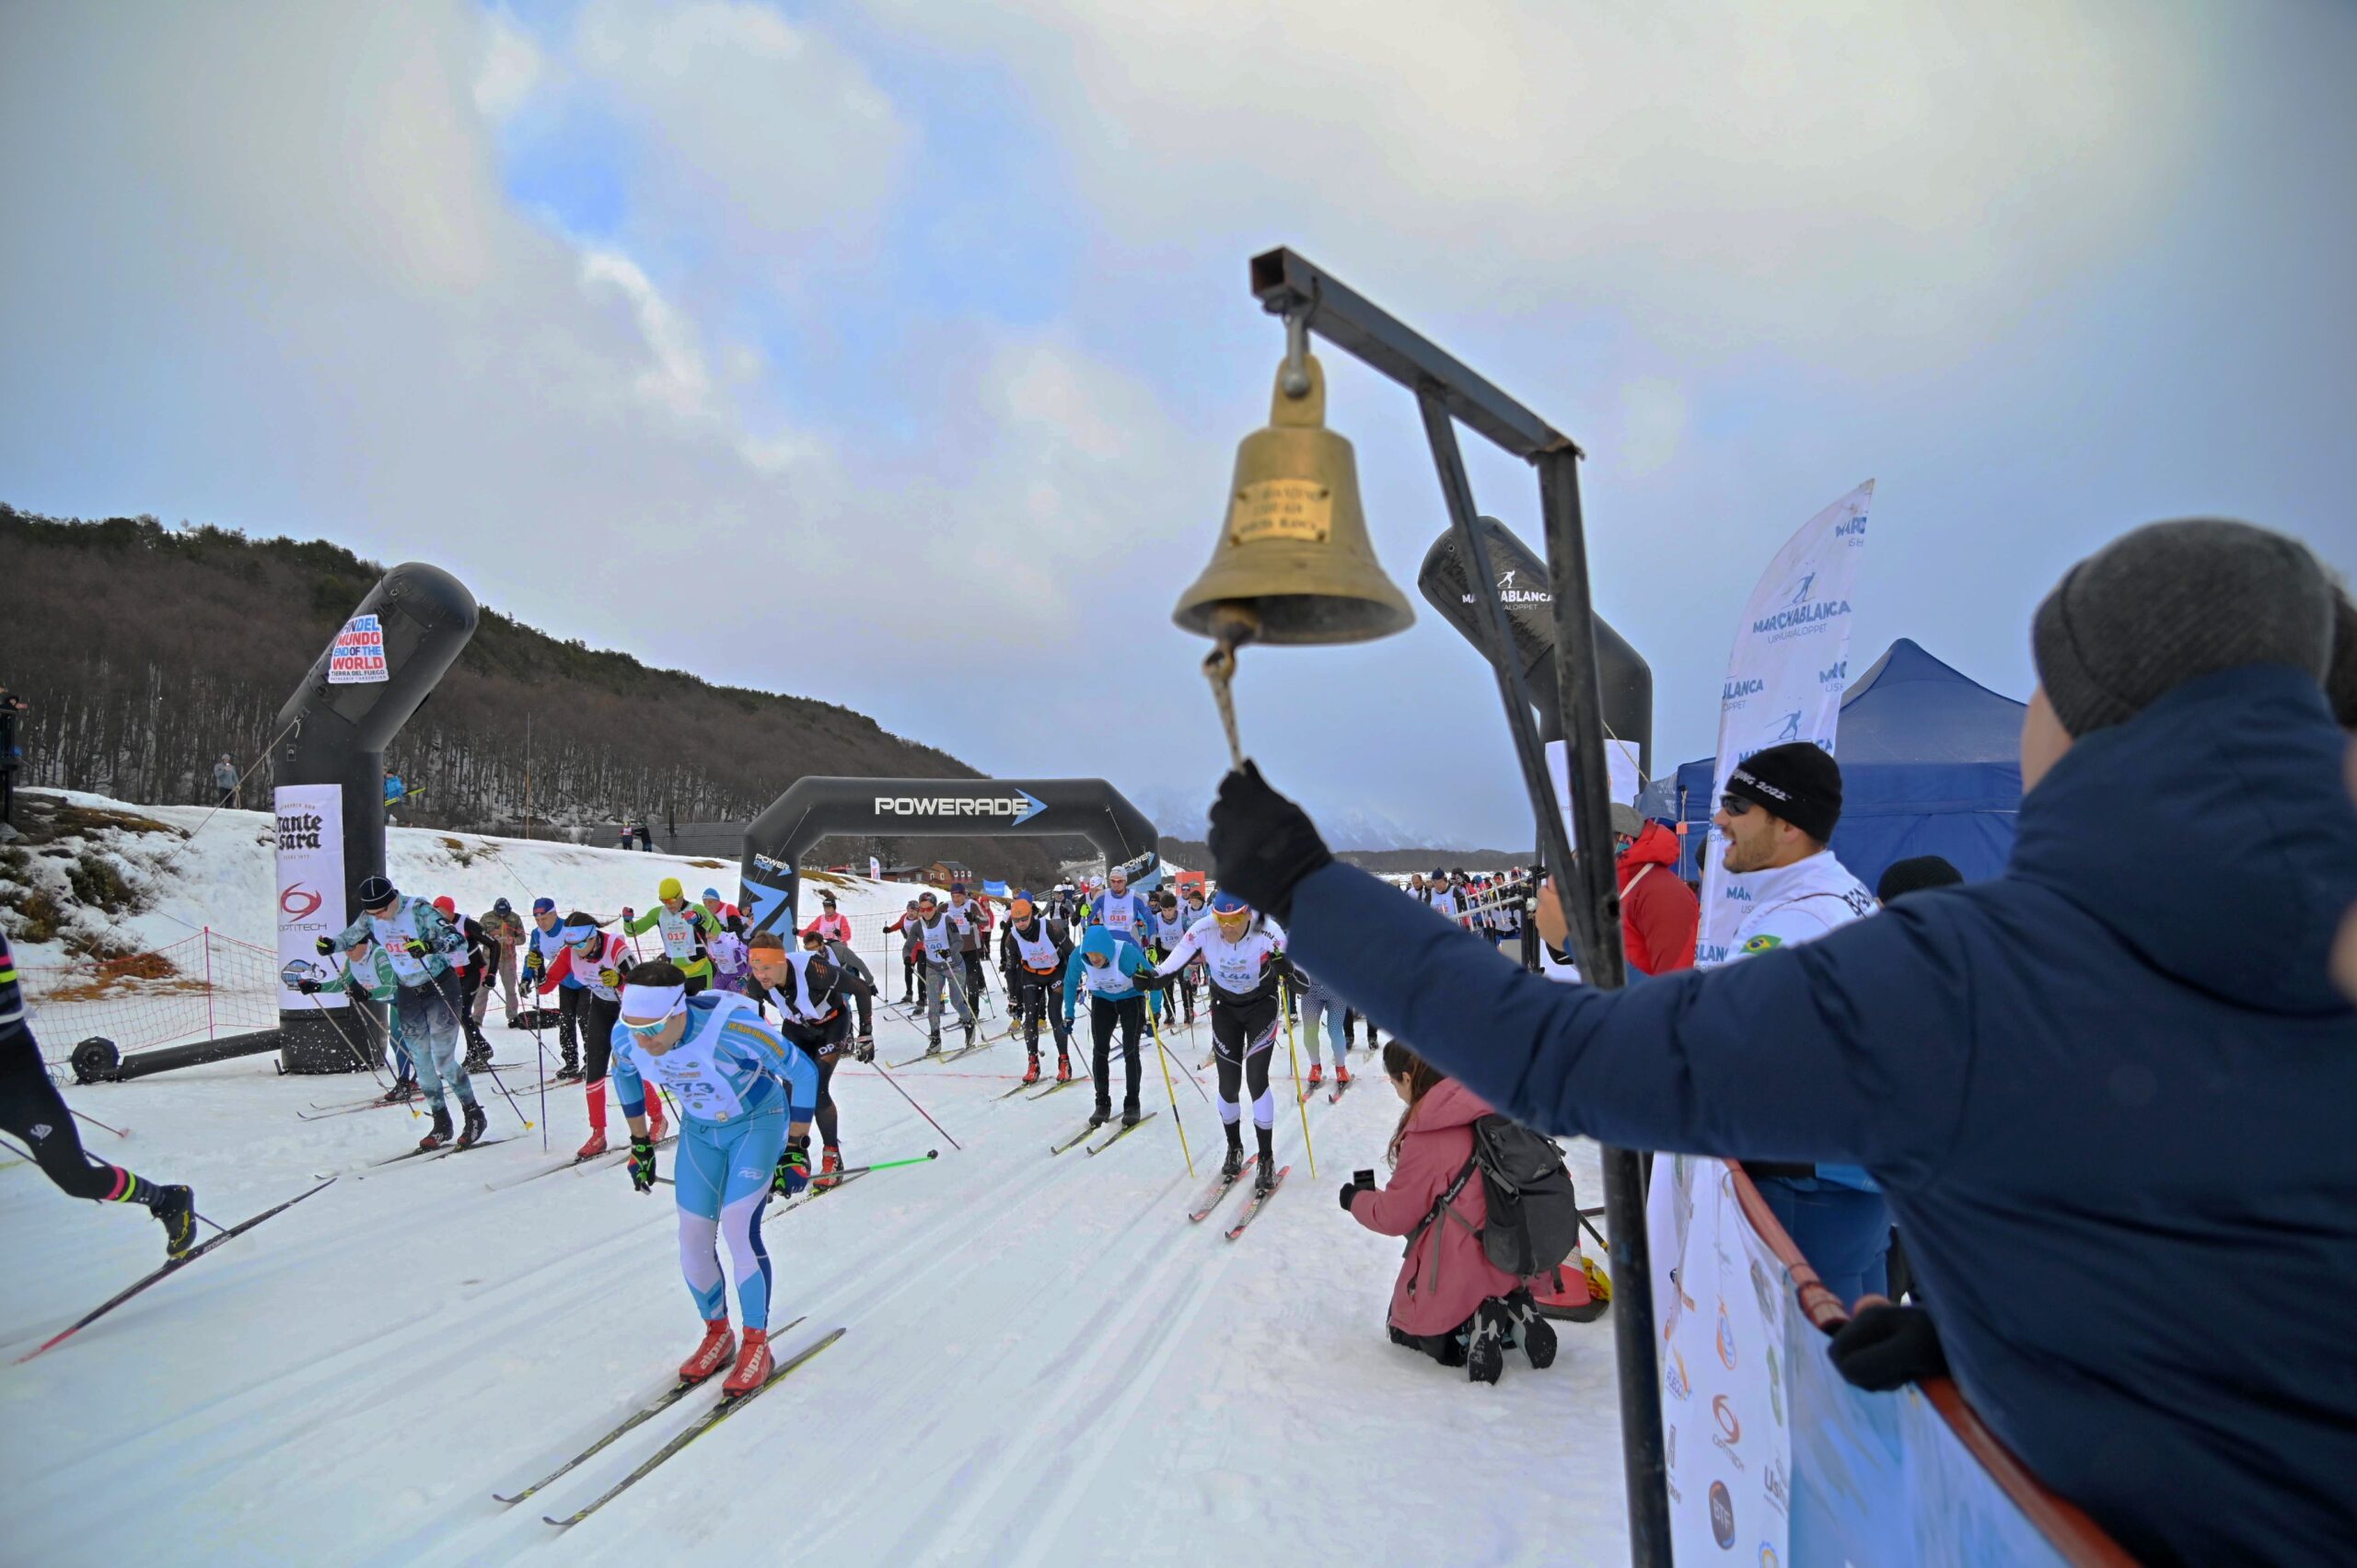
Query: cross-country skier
(865, 994)
(1112, 971)
(943, 968)
(911, 946)
(477, 969)
(812, 993)
(1318, 1002)
(31, 1108)
(545, 942)
(1122, 910)
(1245, 954)
(601, 963)
(968, 920)
(501, 923)
(366, 967)
(745, 1097)
(829, 923)
(1169, 925)
(684, 927)
(425, 952)
(1034, 951)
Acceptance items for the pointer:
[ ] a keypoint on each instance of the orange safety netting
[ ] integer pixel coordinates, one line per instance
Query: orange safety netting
(201, 988)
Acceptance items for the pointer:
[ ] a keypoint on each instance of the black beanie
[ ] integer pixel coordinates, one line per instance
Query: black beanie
(375, 892)
(1916, 873)
(2169, 602)
(1796, 781)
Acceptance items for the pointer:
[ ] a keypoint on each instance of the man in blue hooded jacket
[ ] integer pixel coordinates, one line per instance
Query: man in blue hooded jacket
(2107, 1094)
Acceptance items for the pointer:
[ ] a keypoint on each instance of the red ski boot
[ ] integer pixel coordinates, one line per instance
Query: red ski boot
(1032, 1073)
(716, 1350)
(832, 1164)
(753, 1364)
(1317, 1074)
(593, 1147)
(1063, 1068)
(1341, 1074)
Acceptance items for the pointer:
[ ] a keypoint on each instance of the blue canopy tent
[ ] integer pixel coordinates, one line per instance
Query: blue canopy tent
(1931, 764)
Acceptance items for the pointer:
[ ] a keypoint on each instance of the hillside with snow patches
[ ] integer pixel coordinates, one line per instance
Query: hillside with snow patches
(1045, 1362)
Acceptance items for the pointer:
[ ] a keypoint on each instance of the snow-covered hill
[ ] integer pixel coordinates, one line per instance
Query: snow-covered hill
(1046, 1363)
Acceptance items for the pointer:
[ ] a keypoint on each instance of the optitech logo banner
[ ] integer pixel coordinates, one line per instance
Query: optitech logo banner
(311, 886)
(1786, 678)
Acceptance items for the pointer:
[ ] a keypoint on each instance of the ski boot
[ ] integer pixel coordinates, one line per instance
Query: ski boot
(717, 1350)
(402, 1093)
(969, 1036)
(440, 1133)
(933, 1045)
(175, 1210)
(1130, 1115)
(753, 1366)
(1485, 1352)
(1233, 1167)
(1264, 1178)
(832, 1163)
(471, 1126)
(1341, 1074)
(1317, 1074)
(1063, 1068)
(593, 1148)
(1102, 1114)
(478, 1057)
(569, 1071)
(1031, 1070)
(1536, 1334)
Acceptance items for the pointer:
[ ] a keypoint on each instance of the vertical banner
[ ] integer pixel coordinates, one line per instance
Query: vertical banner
(1720, 1298)
(1626, 779)
(1786, 678)
(311, 886)
(874, 869)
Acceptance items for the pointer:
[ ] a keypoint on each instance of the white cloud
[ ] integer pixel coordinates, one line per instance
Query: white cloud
(509, 68)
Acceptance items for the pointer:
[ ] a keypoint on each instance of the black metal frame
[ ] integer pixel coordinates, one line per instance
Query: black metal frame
(1447, 392)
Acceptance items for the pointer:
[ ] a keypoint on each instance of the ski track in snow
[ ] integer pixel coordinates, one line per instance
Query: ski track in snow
(1047, 1364)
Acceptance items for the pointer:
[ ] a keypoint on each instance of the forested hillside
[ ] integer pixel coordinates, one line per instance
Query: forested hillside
(145, 652)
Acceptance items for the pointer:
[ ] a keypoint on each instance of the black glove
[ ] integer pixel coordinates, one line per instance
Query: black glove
(414, 948)
(1360, 1181)
(308, 987)
(1886, 1347)
(793, 1168)
(1350, 1191)
(325, 944)
(642, 1164)
(1261, 843)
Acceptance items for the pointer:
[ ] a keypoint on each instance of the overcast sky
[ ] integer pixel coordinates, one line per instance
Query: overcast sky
(894, 352)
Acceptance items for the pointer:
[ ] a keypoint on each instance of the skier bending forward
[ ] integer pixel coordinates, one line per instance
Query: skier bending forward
(745, 1099)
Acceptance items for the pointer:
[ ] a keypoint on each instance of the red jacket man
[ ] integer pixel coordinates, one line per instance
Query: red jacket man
(1659, 914)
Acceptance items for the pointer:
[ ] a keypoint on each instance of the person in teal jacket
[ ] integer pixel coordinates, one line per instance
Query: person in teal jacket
(365, 968)
(1118, 976)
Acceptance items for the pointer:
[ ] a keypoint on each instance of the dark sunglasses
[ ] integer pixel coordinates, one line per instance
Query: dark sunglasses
(1735, 805)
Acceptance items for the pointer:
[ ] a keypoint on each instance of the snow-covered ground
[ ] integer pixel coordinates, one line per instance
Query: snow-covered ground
(1046, 1362)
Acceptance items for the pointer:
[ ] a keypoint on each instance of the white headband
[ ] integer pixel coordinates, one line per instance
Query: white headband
(643, 1001)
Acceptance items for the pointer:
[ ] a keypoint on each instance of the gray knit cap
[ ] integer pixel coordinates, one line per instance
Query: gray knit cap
(2157, 606)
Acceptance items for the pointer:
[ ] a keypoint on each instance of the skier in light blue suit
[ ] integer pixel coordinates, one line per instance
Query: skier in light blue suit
(745, 1099)
(1117, 977)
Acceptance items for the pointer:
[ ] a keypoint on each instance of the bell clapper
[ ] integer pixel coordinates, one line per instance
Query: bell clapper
(1232, 626)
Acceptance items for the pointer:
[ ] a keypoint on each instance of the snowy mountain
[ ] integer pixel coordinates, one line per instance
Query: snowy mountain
(1182, 816)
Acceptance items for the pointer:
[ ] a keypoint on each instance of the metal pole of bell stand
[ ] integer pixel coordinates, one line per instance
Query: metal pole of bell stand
(1448, 394)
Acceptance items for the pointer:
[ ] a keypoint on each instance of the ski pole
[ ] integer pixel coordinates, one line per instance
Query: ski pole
(911, 1100)
(1301, 1095)
(1163, 1056)
(100, 1125)
(1182, 1070)
(837, 1178)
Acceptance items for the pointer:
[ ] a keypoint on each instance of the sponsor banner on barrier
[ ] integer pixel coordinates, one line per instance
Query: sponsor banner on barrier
(1722, 1300)
(358, 656)
(1786, 678)
(310, 887)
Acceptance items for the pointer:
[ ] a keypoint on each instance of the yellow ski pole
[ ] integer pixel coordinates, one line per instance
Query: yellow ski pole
(1162, 1055)
(1300, 1095)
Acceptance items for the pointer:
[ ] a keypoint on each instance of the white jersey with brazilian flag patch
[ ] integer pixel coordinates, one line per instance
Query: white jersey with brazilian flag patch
(1799, 902)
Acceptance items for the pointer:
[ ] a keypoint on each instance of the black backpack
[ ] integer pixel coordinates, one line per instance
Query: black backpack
(1534, 1215)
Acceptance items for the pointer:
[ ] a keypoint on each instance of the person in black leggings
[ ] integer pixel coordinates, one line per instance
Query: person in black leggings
(31, 1108)
(813, 993)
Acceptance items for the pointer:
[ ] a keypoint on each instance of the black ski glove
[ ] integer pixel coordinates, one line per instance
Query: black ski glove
(325, 944)
(1886, 1347)
(642, 1164)
(1360, 1181)
(308, 987)
(1261, 843)
(1350, 1191)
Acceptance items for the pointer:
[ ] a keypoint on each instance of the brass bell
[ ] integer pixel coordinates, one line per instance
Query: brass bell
(1293, 564)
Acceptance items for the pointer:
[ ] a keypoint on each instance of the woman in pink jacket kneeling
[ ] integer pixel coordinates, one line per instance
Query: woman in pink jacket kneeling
(1450, 1301)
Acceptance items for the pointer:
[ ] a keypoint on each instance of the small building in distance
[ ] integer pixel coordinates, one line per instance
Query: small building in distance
(944, 873)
